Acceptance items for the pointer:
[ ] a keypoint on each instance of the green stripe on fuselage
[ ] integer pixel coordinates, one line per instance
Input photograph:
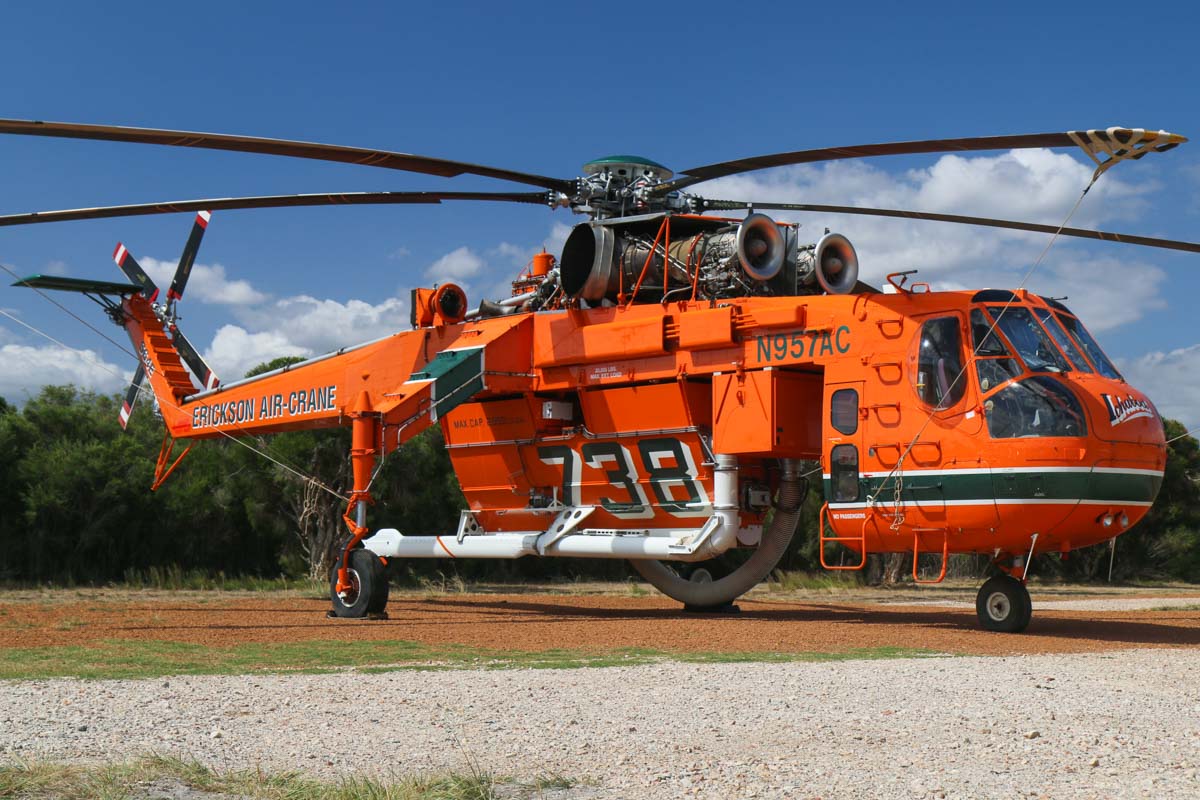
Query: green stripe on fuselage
(1111, 487)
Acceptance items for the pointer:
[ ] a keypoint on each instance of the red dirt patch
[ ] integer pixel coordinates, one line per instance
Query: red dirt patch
(590, 623)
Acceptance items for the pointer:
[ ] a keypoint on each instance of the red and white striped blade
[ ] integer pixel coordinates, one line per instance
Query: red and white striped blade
(192, 358)
(188, 257)
(131, 396)
(133, 270)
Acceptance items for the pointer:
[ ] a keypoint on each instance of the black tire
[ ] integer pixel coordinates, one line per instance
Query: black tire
(369, 586)
(1003, 605)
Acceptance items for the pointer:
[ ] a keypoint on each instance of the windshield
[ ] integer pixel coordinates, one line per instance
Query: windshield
(1064, 341)
(1036, 406)
(1089, 346)
(1031, 341)
(993, 363)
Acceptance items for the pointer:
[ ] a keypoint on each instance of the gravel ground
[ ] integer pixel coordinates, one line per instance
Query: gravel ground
(1102, 725)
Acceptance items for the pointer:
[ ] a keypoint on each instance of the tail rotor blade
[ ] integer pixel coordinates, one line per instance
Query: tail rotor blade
(188, 257)
(133, 270)
(131, 396)
(192, 358)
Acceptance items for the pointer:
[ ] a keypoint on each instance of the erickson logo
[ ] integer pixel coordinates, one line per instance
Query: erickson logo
(1127, 408)
(147, 360)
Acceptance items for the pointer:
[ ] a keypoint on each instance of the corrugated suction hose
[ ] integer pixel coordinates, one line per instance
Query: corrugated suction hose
(792, 488)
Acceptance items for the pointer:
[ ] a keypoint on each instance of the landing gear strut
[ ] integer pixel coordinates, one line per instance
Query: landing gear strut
(1003, 605)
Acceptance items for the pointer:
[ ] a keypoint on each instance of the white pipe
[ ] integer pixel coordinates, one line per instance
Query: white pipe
(687, 544)
(725, 504)
(390, 543)
(507, 302)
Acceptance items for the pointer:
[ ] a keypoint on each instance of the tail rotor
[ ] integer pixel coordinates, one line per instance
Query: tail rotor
(190, 355)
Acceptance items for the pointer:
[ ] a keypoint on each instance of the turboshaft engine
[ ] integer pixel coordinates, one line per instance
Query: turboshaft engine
(757, 256)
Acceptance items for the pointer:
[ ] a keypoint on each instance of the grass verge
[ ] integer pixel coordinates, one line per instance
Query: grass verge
(160, 776)
(152, 659)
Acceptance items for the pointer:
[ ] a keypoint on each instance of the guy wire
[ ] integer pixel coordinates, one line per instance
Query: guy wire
(996, 321)
(144, 390)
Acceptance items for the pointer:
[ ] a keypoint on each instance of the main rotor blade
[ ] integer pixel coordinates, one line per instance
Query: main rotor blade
(133, 270)
(279, 147)
(1113, 140)
(269, 201)
(188, 257)
(1083, 233)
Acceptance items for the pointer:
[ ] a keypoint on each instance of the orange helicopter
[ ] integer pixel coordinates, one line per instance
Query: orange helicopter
(657, 392)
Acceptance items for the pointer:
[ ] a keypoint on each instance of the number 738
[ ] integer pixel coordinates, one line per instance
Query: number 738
(667, 464)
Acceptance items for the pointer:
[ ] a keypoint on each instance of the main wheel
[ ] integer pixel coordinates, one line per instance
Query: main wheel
(368, 592)
(1003, 605)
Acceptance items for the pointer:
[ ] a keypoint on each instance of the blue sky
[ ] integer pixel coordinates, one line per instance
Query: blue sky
(544, 89)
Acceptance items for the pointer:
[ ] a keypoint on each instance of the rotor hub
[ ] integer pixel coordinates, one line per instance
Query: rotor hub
(628, 169)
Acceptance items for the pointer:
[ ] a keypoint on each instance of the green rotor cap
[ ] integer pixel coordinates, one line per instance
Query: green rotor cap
(628, 166)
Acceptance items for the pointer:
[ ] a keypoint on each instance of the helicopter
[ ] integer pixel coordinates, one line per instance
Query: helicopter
(658, 390)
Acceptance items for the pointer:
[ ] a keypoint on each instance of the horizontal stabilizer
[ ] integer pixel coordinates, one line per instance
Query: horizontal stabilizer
(78, 285)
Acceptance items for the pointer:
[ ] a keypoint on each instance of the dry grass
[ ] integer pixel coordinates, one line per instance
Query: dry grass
(158, 776)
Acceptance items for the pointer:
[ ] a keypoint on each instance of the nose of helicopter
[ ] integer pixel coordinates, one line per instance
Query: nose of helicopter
(1122, 414)
(1127, 455)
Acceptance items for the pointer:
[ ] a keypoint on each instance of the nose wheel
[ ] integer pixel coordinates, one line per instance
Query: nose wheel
(1003, 605)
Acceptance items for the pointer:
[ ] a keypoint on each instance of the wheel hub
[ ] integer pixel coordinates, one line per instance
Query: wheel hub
(350, 596)
(999, 606)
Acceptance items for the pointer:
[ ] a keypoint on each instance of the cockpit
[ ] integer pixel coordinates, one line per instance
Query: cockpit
(1023, 347)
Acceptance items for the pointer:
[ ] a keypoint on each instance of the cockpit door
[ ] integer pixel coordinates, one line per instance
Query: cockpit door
(845, 485)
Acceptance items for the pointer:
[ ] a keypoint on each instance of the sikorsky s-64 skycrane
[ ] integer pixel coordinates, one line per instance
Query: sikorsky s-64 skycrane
(652, 393)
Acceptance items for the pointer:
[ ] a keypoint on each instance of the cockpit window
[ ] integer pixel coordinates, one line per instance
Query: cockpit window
(994, 296)
(993, 361)
(984, 338)
(1056, 330)
(1032, 343)
(1089, 346)
(1036, 406)
(939, 377)
(995, 371)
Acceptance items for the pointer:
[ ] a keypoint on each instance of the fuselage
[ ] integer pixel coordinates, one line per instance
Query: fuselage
(964, 420)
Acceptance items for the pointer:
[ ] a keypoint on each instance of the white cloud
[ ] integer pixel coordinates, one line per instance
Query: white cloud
(24, 370)
(1039, 184)
(457, 265)
(554, 242)
(235, 351)
(1171, 380)
(516, 255)
(301, 326)
(1026, 185)
(324, 325)
(208, 284)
